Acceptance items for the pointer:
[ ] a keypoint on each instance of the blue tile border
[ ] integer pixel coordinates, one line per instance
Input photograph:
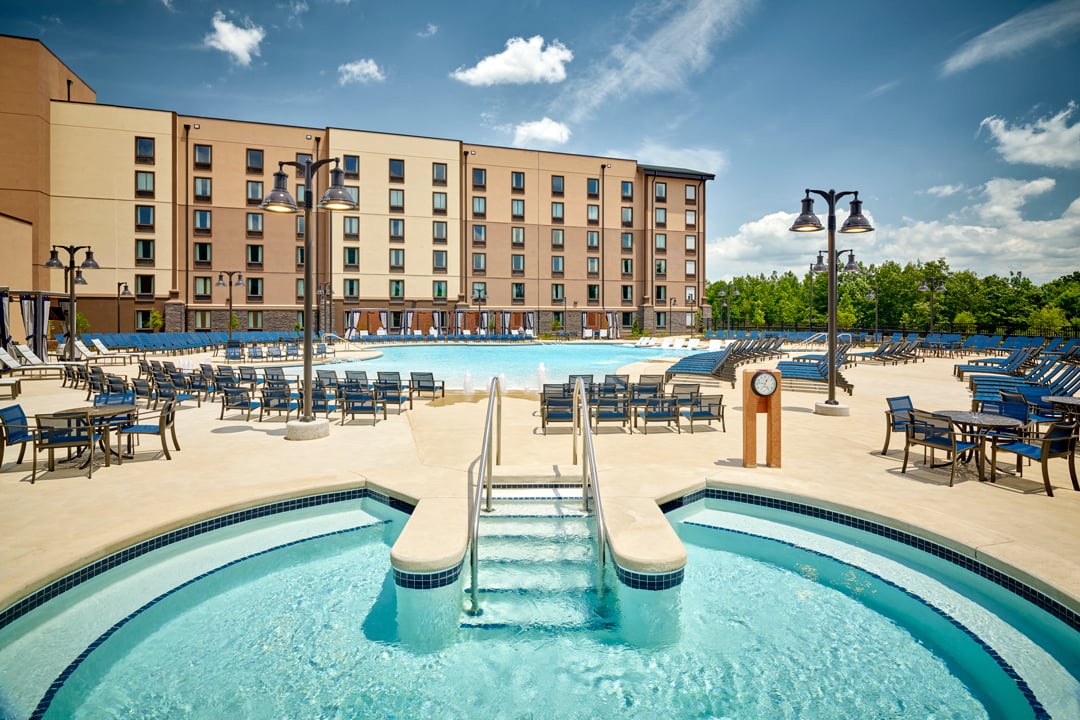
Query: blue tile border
(58, 587)
(649, 581)
(428, 581)
(1036, 597)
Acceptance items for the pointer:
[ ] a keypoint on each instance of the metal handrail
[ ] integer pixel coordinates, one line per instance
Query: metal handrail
(589, 479)
(483, 479)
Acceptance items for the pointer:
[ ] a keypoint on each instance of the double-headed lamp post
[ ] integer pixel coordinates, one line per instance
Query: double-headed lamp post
(238, 283)
(933, 285)
(122, 291)
(336, 197)
(729, 294)
(873, 296)
(72, 277)
(855, 223)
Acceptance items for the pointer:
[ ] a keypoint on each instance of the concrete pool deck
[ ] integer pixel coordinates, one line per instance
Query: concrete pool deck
(66, 520)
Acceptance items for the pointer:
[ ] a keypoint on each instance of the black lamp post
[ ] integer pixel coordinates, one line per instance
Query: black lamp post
(72, 277)
(729, 294)
(871, 295)
(121, 291)
(933, 285)
(336, 197)
(855, 223)
(480, 298)
(671, 314)
(326, 296)
(239, 283)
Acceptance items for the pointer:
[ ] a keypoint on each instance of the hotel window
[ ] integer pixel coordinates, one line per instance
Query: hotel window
(627, 319)
(351, 288)
(592, 265)
(354, 193)
(558, 292)
(479, 234)
(254, 289)
(300, 257)
(627, 266)
(300, 194)
(203, 254)
(438, 173)
(300, 319)
(661, 293)
(661, 267)
(254, 192)
(479, 262)
(691, 243)
(691, 268)
(203, 156)
(661, 319)
(592, 293)
(628, 293)
(661, 191)
(438, 203)
(627, 216)
(628, 241)
(438, 231)
(302, 159)
(299, 227)
(593, 214)
(556, 212)
(254, 224)
(517, 291)
(144, 218)
(351, 257)
(351, 166)
(627, 190)
(254, 161)
(517, 264)
(479, 178)
(397, 288)
(397, 170)
(557, 264)
(691, 218)
(254, 320)
(203, 220)
(144, 252)
(254, 257)
(142, 319)
(557, 237)
(397, 259)
(517, 209)
(144, 150)
(438, 289)
(479, 290)
(517, 181)
(299, 290)
(203, 189)
(661, 242)
(691, 193)
(397, 229)
(661, 217)
(202, 319)
(397, 201)
(351, 226)
(438, 261)
(557, 184)
(144, 285)
(144, 184)
(592, 238)
(592, 185)
(691, 298)
(517, 236)
(479, 206)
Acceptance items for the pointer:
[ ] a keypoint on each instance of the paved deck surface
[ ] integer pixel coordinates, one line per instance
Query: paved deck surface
(66, 520)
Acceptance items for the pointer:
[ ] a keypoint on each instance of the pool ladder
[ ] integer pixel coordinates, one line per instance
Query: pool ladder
(491, 455)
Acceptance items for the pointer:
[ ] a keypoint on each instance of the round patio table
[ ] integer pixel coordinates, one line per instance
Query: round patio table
(980, 423)
(1068, 404)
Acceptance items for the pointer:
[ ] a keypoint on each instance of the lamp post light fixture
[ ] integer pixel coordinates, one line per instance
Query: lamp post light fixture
(933, 285)
(239, 283)
(872, 295)
(855, 223)
(121, 291)
(336, 197)
(72, 277)
(729, 293)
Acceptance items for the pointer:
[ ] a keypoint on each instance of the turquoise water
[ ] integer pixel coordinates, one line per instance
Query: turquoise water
(523, 367)
(764, 630)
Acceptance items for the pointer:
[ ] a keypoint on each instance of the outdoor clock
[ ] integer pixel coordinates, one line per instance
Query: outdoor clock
(763, 383)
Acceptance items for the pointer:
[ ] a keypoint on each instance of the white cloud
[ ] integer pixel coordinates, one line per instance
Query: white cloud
(1029, 29)
(663, 61)
(1049, 141)
(883, 88)
(943, 191)
(1005, 197)
(652, 152)
(360, 71)
(238, 42)
(541, 132)
(523, 61)
(168, 4)
(297, 8)
(427, 32)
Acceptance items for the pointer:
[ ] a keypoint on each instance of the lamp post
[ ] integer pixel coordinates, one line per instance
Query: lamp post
(326, 295)
(670, 315)
(72, 277)
(871, 295)
(121, 291)
(604, 167)
(933, 285)
(336, 197)
(239, 283)
(729, 294)
(691, 303)
(855, 223)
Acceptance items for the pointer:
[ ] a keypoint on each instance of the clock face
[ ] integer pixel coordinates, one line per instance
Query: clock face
(763, 383)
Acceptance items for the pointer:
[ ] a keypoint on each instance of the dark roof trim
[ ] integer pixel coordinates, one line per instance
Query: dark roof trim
(675, 172)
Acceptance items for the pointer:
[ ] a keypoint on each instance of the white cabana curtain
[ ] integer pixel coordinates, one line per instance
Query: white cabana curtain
(505, 321)
(530, 321)
(584, 322)
(436, 321)
(5, 319)
(384, 316)
(408, 322)
(351, 324)
(459, 321)
(483, 320)
(35, 312)
(613, 329)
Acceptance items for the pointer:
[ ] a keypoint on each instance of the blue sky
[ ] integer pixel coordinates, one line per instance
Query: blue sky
(957, 121)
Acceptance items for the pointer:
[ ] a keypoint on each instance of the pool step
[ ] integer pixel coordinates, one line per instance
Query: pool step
(511, 549)
(536, 610)
(540, 528)
(556, 575)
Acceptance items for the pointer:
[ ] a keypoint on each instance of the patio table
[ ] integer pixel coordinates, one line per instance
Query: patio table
(978, 425)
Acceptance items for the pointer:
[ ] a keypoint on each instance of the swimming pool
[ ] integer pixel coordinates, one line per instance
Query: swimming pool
(293, 615)
(524, 366)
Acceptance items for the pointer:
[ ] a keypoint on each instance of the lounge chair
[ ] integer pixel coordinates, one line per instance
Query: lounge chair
(87, 354)
(1059, 441)
(936, 432)
(425, 382)
(31, 371)
(104, 351)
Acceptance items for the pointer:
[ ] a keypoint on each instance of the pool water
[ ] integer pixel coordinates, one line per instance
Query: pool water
(765, 630)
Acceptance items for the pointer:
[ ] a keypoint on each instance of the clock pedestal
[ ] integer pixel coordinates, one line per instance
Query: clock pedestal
(752, 405)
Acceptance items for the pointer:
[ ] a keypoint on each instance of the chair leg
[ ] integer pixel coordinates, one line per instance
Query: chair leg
(888, 435)
(165, 446)
(903, 468)
(1072, 469)
(1046, 477)
(175, 442)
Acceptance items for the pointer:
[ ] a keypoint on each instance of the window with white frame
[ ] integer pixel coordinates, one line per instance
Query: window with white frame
(397, 258)
(479, 262)
(627, 216)
(438, 231)
(557, 237)
(661, 242)
(438, 289)
(661, 191)
(351, 288)
(557, 264)
(592, 239)
(557, 211)
(593, 265)
(691, 268)
(479, 234)
(691, 218)
(517, 264)
(517, 236)
(351, 257)
(350, 224)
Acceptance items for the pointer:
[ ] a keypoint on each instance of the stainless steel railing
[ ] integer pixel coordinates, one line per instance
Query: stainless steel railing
(491, 446)
(590, 488)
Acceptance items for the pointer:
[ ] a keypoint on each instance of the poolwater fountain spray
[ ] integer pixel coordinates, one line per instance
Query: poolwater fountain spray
(468, 382)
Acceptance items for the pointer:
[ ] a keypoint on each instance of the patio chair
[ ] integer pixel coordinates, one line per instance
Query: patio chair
(425, 382)
(659, 408)
(326, 379)
(234, 397)
(611, 407)
(358, 376)
(391, 391)
(707, 408)
(322, 401)
(556, 405)
(359, 399)
(65, 431)
(936, 432)
(292, 351)
(14, 430)
(247, 376)
(1059, 441)
(896, 417)
(277, 398)
(144, 391)
(161, 423)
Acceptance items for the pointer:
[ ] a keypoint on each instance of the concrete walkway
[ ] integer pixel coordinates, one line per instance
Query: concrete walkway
(66, 520)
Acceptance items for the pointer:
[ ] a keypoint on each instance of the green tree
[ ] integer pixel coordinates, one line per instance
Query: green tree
(156, 321)
(82, 325)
